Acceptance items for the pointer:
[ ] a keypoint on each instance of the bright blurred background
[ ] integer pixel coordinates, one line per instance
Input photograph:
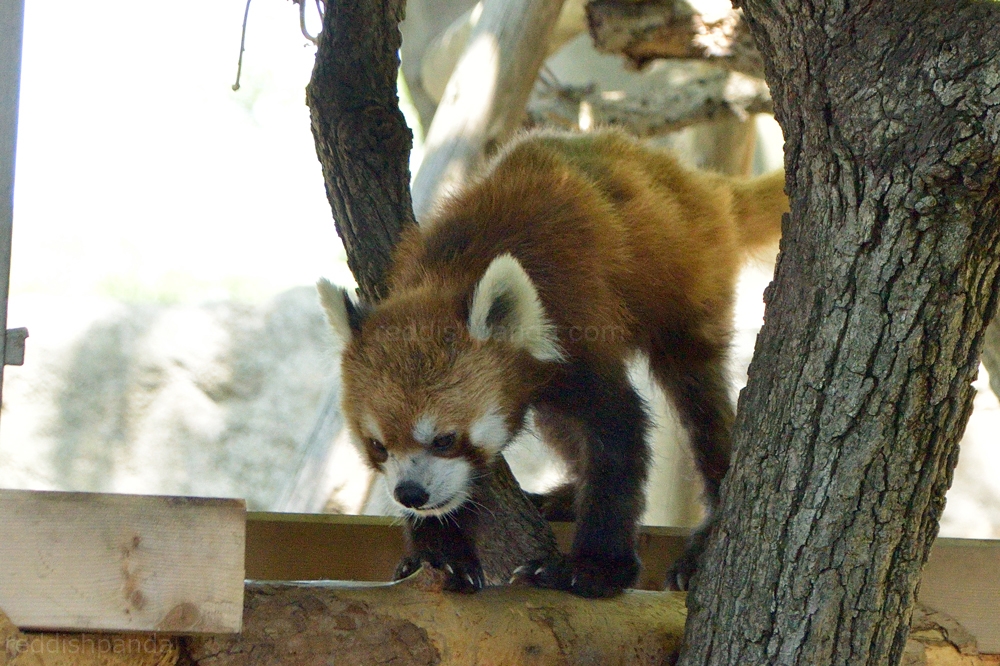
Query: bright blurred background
(167, 231)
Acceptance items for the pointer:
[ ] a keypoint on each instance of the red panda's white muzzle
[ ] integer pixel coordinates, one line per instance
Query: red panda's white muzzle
(427, 485)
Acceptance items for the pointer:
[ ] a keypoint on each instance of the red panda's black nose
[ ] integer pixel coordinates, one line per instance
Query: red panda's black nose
(411, 495)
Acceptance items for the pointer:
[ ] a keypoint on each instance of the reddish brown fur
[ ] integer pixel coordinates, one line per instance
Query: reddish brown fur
(629, 252)
(618, 239)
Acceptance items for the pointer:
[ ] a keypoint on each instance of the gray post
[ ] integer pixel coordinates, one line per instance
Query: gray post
(11, 30)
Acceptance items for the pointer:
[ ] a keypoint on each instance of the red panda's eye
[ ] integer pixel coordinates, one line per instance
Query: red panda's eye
(443, 443)
(378, 450)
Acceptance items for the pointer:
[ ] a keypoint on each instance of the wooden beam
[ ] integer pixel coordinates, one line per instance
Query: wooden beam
(94, 561)
(961, 579)
(89, 561)
(284, 546)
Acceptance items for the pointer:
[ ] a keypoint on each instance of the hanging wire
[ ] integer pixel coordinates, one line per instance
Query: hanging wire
(243, 40)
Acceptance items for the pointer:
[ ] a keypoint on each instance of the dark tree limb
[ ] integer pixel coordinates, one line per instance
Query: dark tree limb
(363, 144)
(859, 391)
(649, 29)
(362, 140)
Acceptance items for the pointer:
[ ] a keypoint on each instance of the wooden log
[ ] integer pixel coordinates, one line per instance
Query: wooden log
(486, 94)
(650, 29)
(960, 578)
(19, 648)
(414, 622)
(936, 640)
(121, 562)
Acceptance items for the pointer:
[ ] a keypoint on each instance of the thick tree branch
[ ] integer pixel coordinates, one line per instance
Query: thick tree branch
(663, 107)
(649, 29)
(859, 391)
(362, 140)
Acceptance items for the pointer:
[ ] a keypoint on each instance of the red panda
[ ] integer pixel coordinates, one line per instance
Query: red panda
(528, 292)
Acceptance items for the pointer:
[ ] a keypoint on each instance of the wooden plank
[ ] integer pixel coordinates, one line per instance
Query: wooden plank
(94, 561)
(289, 546)
(961, 579)
(292, 546)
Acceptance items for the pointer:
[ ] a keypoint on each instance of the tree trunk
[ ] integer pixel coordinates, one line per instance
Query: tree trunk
(859, 391)
(362, 140)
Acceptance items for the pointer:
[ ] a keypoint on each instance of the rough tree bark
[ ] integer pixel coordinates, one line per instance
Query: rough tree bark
(415, 623)
(859, 391)
(363, 144)
(362, 140)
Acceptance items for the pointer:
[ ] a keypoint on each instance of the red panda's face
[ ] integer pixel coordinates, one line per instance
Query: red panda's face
(429, 405)
(436, 382)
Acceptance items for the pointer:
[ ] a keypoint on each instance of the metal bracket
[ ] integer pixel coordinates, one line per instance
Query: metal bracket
(13, 351)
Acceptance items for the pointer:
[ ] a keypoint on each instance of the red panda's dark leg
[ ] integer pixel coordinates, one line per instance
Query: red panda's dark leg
(609, 500)
(445, 543)
(694, 377)
(568, 437)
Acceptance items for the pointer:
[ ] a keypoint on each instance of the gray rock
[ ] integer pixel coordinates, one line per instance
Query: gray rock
(196, 400)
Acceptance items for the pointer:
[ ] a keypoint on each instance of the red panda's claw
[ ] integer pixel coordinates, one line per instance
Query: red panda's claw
(582, 576)
(407, 567)
(459, 576)
(465, 577)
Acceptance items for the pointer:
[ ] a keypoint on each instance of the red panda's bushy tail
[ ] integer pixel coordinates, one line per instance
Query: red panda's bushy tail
(758, 204)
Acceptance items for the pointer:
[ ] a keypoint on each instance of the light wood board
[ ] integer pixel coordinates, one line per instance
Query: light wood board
(962, 579)
(93, 561)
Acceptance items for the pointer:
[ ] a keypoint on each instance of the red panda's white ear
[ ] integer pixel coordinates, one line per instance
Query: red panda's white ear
(505, 306)
(345, 316)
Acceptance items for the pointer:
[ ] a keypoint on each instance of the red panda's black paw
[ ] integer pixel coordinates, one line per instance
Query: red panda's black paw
(460, 576)
(588, 577)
